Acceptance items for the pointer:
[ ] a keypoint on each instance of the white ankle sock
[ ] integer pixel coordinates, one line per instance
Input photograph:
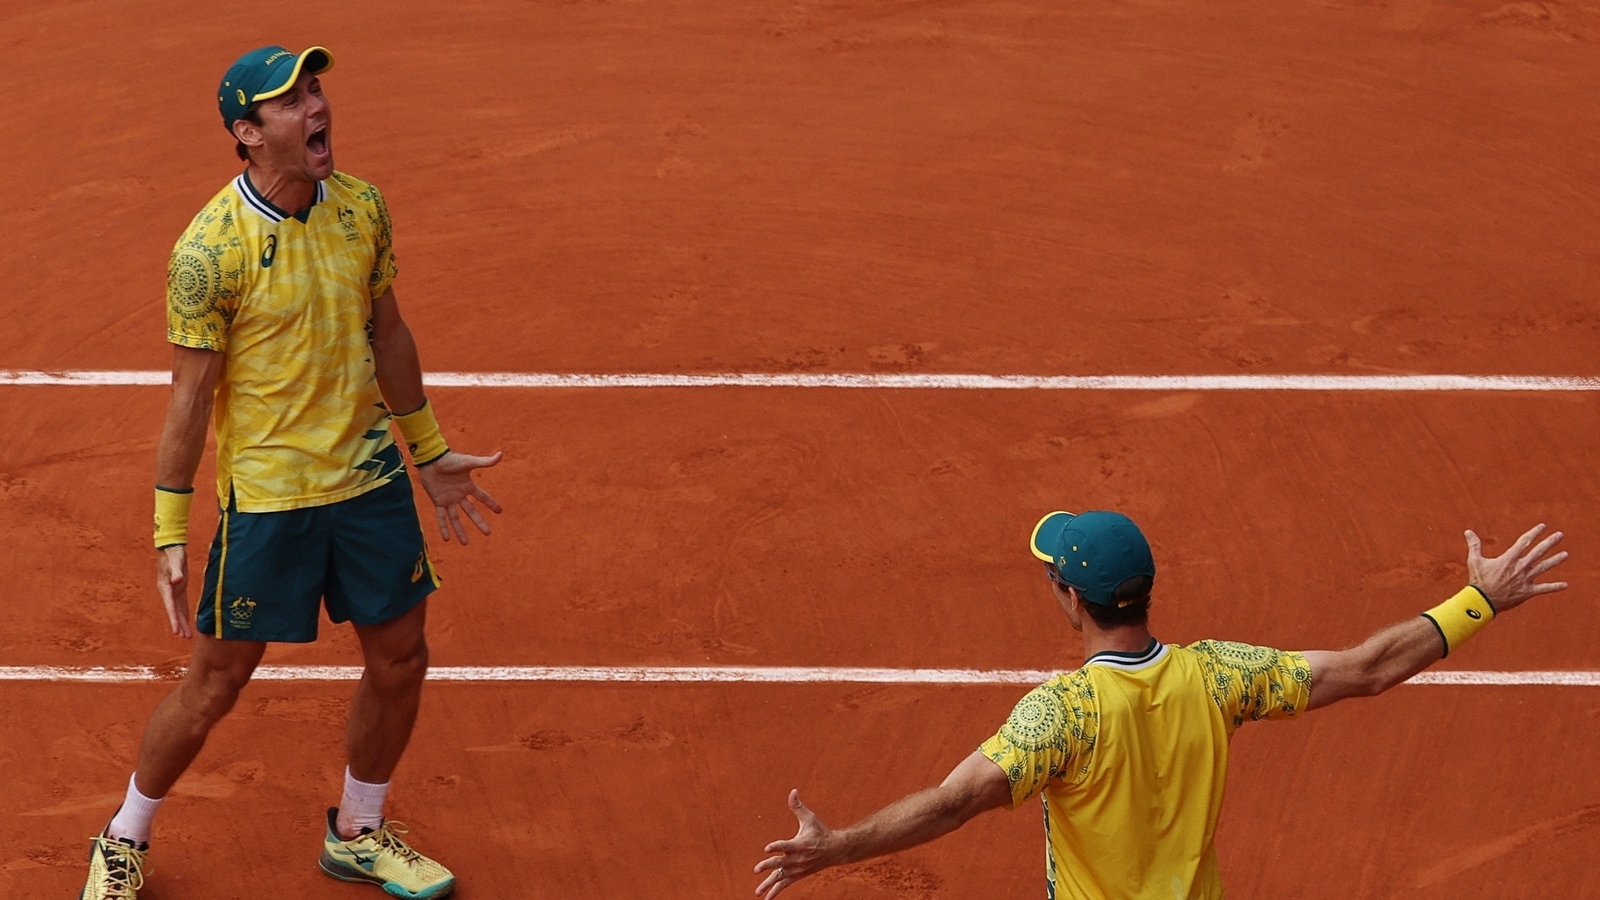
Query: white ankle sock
(132, 821)
(362, 804)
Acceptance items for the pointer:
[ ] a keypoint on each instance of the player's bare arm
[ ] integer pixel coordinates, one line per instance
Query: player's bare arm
(976, 785)
(1402, 650)
(448, 479)
(183, 440)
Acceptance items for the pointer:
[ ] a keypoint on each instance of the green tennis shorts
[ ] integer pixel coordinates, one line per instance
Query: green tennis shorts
(270, 573)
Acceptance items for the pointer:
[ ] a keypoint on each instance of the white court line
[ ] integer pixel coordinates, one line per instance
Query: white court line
(706, 675)
(1539, 383)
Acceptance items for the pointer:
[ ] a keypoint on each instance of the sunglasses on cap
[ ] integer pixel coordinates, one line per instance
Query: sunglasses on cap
(1054, 575)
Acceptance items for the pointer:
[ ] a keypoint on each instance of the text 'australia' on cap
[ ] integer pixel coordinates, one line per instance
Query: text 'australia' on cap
(1094, 552)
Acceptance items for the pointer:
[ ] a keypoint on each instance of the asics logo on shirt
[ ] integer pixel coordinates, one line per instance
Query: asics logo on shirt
(269, 252)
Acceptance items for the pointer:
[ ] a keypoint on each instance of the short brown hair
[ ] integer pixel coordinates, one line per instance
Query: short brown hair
(1132, 599)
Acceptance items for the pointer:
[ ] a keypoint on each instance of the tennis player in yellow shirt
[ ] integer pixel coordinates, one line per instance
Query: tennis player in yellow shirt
(1130, 752)
(282, 313)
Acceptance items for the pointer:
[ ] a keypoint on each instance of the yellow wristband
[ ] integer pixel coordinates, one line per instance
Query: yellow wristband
(421, 432)
(1461, 617)
(172, 516)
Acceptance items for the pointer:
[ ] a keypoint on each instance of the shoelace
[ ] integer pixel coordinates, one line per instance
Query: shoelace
(388, 837)
(124, 868)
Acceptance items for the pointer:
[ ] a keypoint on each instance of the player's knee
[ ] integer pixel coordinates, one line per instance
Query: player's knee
(213, 694)
(401, 672)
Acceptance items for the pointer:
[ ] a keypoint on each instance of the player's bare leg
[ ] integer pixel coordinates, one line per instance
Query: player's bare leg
(361, 845)
(177, 730)
(385, 705)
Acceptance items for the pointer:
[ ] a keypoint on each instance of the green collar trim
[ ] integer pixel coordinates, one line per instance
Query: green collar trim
(1127, 661)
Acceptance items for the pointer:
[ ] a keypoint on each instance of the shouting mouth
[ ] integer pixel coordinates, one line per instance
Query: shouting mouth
(318, 142)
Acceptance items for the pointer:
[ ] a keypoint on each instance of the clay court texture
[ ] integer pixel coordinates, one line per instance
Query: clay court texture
(818, 189)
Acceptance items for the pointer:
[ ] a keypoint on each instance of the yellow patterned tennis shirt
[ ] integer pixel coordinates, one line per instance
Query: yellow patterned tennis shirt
(288, 300)
(1130, 753)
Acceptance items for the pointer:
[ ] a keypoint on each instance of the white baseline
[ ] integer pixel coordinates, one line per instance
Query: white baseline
(893, 381)
(704, 675)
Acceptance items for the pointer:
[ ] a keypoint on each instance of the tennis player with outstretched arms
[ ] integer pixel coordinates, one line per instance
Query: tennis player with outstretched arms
(1130, 752)
(282, 313)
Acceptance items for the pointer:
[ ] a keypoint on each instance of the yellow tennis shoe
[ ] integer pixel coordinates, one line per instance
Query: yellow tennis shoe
(116, 870)
(382, 858)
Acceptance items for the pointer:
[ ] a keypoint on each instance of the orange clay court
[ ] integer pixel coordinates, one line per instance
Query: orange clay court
(837, 186)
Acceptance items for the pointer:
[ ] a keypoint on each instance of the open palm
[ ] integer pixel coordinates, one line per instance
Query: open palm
(448, 481)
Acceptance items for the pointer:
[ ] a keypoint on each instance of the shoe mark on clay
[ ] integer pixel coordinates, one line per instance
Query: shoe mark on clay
(1416, 571)
(876, 699)
(1547, 321)
(315, 710)
(111, 602)
(79, 643)
(895, 877)
(13, 487)
(1225, 342)
(681, 634)
(808, 359)
(637, 733)
(224, 783)
(860, 26)
(1539, 833)
(1239, 309)
(75, 805)
(961, 465)
(1406, 15)
(522, 147)
(116, 744)
(1550, 18)
(43, 858)
(1383, 320)
(899, 357)
(1253, 141)
(1166, 407)
(681, 136)
(669, 309)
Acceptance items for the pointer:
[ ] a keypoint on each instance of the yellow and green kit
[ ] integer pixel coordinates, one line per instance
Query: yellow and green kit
(1130, 755)
(312, 487)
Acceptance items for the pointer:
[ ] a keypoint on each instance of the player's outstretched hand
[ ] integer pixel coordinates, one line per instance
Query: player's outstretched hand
(172, 583)
(448, 481)
(1513, 577)
(812, 849)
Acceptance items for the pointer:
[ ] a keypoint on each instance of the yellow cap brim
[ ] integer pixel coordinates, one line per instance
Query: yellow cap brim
(322, 63)
(1048, 529)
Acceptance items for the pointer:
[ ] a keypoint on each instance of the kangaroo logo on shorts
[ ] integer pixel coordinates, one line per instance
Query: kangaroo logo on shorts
(240, 611)
(422, 564)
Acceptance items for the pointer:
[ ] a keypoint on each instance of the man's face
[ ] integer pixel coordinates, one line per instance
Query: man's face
(295, 136)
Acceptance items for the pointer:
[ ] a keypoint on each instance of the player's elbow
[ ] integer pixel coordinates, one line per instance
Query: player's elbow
(1370, 675)
(1371, 684)
(1342, 676)
(1386, 676)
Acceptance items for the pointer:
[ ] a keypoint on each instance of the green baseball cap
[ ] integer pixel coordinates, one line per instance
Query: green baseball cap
(1094, 552)
(263, 74)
